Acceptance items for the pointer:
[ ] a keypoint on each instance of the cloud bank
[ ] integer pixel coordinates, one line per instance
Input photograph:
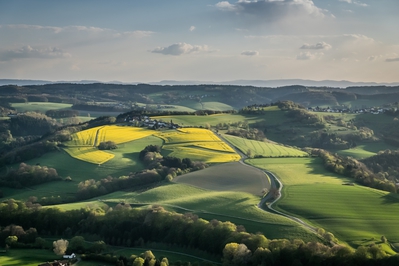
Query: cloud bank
(272, 9)
(180, 49)
(250, 53)
(317, 46)
(30, 52)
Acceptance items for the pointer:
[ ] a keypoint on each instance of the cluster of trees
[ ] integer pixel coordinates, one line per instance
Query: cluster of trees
(28, 175)
(26, 152)
(31, 123)
(251, 133)
(350, 167)
(124, 226)
(297, 252)
(107, 145)
(385, 163)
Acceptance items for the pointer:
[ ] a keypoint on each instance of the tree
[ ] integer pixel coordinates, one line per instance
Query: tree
(60, 246)
(40, 242)
(76, 244)
(138, 262)
(11, 240)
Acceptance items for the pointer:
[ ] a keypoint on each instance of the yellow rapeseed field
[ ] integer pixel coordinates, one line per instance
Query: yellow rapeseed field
(83, 143)
(89, 154)
(198, 144)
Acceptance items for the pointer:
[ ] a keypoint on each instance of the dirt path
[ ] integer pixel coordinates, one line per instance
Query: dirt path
(96, 137)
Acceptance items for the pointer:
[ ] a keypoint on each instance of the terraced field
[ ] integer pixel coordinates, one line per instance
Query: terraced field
(353, 213)
(265, 149)
(197, 144)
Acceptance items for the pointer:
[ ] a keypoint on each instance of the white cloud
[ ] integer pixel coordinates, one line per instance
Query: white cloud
(29, 52)
(308, 56)
(180, 48)
(226, 6)
(250, 53)
(192, 28)
(317, 46)
(272, 10)
(90, 30)
(358, 3)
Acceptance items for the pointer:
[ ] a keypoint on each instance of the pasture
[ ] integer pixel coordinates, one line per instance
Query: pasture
(198, 145)
(351, 213)
(40, 107)
(212, 120)
(263, 148)
(237, 207)
(27, 257)
(233, 176)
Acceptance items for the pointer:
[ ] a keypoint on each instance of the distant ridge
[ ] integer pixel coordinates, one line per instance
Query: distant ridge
(256, 83)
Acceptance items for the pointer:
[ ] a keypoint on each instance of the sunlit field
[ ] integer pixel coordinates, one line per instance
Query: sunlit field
(83, 143)
(262, 148)
(197, 144)
(353, 213)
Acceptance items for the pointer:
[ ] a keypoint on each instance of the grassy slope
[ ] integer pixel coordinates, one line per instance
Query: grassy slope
(125, 161)
(352, 213)
(237, 207)
(233, 176)
(262, 148)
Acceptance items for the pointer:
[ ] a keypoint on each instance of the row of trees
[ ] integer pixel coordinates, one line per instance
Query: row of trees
(350, 167)
(125, 226)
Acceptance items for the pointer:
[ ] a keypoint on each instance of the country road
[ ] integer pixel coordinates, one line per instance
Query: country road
(273, 180)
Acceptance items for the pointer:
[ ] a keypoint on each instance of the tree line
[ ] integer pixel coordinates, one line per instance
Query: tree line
(125, 226)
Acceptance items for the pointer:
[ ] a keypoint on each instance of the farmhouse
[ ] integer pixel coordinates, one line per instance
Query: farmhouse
(72, 256)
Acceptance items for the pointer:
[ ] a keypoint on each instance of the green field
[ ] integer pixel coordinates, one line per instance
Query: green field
(203, 120)
(40, 107)
(352, 213)
(237, 207)
(262, 148)
(27, 257)
(233, 176)
(125, 161)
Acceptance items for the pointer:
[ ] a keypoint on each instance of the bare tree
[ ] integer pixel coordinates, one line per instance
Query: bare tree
(60, 246)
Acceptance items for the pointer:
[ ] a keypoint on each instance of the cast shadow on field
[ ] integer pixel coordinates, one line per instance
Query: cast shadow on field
(391, 198)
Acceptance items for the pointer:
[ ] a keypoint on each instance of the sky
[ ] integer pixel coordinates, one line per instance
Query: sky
(201, 40)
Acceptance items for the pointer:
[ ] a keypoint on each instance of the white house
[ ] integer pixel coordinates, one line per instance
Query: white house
(72, 256)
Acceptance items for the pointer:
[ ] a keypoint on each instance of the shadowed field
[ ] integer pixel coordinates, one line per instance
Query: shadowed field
(233, 176)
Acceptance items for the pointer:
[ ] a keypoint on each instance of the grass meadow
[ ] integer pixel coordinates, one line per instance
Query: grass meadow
(198, 145)
(27, 257)
(237, 207)
(40, 107)
(212, 120)
(262, 148)
(354, 214)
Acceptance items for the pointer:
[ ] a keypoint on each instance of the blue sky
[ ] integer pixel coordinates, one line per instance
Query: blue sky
(204, 40)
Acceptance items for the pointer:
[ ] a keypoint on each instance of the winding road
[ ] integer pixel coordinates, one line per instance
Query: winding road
(273, 186)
